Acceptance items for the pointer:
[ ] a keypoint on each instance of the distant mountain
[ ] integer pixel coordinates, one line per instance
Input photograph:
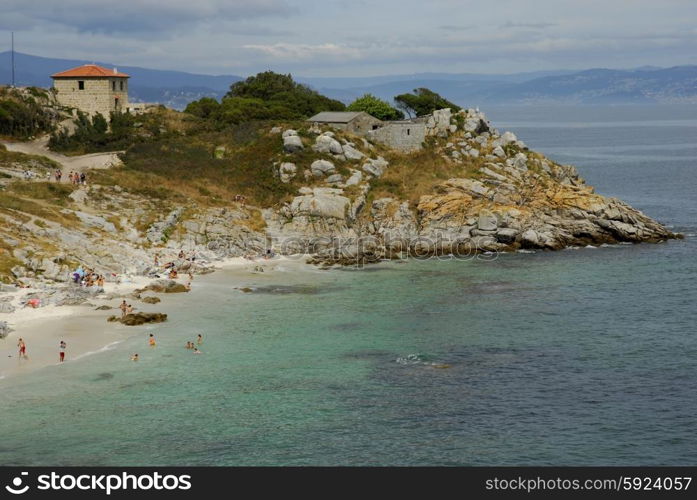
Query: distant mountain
(647, 84)
(171, 88)
(595, 86)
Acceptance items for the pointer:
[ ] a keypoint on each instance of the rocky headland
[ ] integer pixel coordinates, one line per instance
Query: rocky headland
(347, 201)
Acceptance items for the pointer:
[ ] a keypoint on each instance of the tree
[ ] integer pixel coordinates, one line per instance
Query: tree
(377, 107)
(423, 102)
(206, 107)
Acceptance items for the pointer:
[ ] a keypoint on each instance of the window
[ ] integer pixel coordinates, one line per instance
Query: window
(121, 82)
(116, 102)
(408, 131)
(375, 127)
(81, 84)
(113, 86)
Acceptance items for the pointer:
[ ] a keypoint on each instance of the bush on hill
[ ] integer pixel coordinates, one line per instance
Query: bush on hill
(377, 107)
(423, 102)
(266, 96)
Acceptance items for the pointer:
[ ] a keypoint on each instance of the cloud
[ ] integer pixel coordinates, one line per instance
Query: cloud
(135, 16)
(301, 52)
(539, 26)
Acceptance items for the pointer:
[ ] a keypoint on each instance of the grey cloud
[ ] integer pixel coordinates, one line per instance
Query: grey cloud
(540, 26)
(134, 16)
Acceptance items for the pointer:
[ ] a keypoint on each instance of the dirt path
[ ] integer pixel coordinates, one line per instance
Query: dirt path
(75, 163)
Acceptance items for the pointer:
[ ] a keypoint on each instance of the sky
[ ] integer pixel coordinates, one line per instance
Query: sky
(340, 38)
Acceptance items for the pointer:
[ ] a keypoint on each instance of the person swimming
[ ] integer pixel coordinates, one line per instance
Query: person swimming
(135, 357)
(199, 340)
(196, 351)
(151, 341)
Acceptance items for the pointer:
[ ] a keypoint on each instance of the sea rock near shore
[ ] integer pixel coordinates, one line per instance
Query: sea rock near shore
(151, 300)
(164, 286)
(140, 318)
(5, 329)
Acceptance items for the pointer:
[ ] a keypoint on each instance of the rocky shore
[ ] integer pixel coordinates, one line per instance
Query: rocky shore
(501, 197)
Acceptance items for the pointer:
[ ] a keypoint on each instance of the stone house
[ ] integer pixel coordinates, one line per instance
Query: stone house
(358, 123)
(92, 89)
(402, 135)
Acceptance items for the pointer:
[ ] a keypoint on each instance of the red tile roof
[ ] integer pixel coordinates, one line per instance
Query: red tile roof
(89, 70)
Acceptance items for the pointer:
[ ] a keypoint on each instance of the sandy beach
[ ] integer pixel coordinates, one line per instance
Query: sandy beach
(84, 328)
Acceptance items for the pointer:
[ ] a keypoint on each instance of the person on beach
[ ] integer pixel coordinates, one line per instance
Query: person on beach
(123, 307)
(199, 340)
(22, 348)
(61, 355)
(135, 357)
(151, 341)
(129, 309)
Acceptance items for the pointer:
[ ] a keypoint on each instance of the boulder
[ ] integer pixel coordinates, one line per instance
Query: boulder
(289, 133)
(327, 144)
(335, 179)
(506, 235)
(352, 153)
(292, 143)
(320, 205)
(164, 286)
(487, 221)
(530, 238)
(355, 179)
(103, 308)
(150, 300)
(140, 318)
(287, 171)
(375, 167)
(498, 151)
(6, 307)
(320, 168)
(5, 329)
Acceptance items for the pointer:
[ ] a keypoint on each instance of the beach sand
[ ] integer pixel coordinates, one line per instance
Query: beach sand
(85, 329)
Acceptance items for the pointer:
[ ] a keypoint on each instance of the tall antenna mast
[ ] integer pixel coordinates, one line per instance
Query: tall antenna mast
(13, 59)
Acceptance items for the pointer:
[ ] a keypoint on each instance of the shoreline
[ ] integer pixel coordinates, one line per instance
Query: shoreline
(43, 328)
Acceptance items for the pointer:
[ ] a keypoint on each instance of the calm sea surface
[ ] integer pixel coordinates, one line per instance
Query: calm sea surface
(578, 357)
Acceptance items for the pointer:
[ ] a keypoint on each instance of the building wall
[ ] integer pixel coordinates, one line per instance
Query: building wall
(98, 95)
(362, 124)
(405, 137)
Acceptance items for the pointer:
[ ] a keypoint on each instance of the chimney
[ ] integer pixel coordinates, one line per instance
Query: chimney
(115, 71)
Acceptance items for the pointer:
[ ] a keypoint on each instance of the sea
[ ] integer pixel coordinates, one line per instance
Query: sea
(585, 356)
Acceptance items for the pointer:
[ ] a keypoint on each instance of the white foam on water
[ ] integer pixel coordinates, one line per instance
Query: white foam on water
(525, 251)
(103, 349)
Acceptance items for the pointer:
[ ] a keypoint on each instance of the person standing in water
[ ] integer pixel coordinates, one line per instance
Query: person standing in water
(151, 341)
(61, 355)
(22, 348)
(199, 340)
(123, 308)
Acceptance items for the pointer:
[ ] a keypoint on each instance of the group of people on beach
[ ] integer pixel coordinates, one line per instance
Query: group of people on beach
(189, 345)
(170, 268)
(125, 308)
(22, 345)
(87, 277)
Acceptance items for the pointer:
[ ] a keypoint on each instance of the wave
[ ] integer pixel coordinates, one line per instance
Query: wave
(419, 359)
(103, 349)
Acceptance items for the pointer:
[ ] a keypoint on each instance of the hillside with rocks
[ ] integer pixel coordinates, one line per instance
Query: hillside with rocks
(335, 197)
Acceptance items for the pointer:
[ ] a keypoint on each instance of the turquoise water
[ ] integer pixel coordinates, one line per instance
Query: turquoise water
(578, 357)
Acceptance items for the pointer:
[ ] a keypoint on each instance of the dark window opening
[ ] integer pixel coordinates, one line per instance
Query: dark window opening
(408, 131)
(375, 127)
(113, 86)
(121, 82)
(116, 102)
(81, 85)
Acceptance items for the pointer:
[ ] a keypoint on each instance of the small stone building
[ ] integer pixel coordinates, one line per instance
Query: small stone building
(403, 135)
(356, 122)
(92, 89)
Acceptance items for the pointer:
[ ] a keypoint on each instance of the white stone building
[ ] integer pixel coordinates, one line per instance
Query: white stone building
(92, 89)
